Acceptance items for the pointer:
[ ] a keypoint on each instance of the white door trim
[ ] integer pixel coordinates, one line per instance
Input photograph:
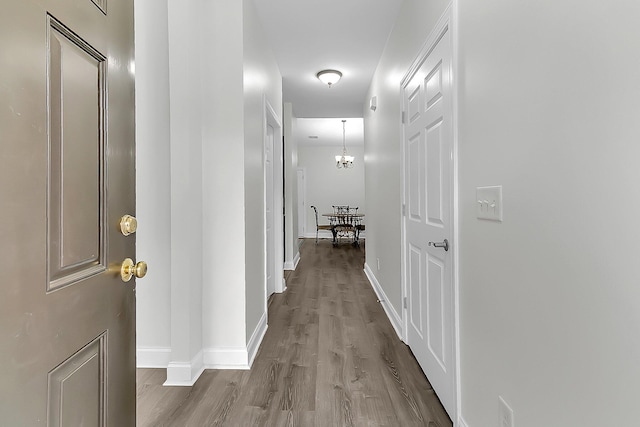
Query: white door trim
(453, 23)
(269, 212)
(447, 22)
(302, 201)
(277, 246)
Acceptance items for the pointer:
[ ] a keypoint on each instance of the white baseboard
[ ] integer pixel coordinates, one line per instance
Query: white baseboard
(322, 234)
(462, 422)
(226, 358)
(296, 260)
(185, 373)
(237, 357)
(153, 357)
(292, 265)
(256, 339)
(392, 314)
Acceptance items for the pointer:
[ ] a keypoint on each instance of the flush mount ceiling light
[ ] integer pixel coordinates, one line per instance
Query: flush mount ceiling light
(329, 77)
(344, 161)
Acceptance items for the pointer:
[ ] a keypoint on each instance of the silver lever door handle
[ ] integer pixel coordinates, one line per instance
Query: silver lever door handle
(444, 244)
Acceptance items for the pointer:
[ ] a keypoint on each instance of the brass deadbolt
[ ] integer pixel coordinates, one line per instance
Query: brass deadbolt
(128, 225)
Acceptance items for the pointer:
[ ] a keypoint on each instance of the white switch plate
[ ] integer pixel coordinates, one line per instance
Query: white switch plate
(489, 203)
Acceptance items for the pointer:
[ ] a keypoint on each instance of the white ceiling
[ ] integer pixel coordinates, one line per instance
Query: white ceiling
(308, 36)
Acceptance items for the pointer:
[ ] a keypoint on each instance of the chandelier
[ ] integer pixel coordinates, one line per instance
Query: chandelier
(344, 161)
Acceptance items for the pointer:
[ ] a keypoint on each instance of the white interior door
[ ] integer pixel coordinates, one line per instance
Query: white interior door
(270, 241)
(428, 148)
(67, 175)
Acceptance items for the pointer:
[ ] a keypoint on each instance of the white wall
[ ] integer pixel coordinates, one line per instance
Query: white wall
(262, 84)
(224, 324)
(383, 143)
(153, 293)
(550, 298)
(548, 107)
(327, 185)
(169, 183)
(202, 216)
(290, 158)
(186, 180)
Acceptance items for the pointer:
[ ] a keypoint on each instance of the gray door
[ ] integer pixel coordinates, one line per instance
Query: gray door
(67, 337)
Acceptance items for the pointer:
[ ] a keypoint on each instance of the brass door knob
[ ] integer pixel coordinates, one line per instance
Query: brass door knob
(130, 269)
(128, 224)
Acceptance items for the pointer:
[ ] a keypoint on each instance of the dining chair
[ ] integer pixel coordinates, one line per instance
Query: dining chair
(345, 225)
(358, 227)
(320, 226)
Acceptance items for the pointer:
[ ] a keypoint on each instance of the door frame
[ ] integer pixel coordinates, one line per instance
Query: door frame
(269, 167)
(270, 118)
(446, 22)
(302, 211)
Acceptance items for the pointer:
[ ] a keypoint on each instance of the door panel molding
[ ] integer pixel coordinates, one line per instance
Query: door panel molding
(82, 373)
(101, 4)
(76, 241)
(436, 310)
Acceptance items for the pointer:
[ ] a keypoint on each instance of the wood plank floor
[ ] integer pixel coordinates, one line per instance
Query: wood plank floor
(329, 358)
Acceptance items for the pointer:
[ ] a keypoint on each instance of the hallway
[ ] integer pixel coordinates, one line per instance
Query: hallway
(329, 358)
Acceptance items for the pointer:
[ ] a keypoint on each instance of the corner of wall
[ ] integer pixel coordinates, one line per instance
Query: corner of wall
(240, 357)
(185, 373)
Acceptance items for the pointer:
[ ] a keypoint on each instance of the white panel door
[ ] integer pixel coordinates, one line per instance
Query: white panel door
(270, 241)
(428, 147)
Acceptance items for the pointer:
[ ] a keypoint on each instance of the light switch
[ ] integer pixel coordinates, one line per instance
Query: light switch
(489, 203)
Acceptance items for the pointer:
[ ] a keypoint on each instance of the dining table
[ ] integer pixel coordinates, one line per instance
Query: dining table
(344, 224)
